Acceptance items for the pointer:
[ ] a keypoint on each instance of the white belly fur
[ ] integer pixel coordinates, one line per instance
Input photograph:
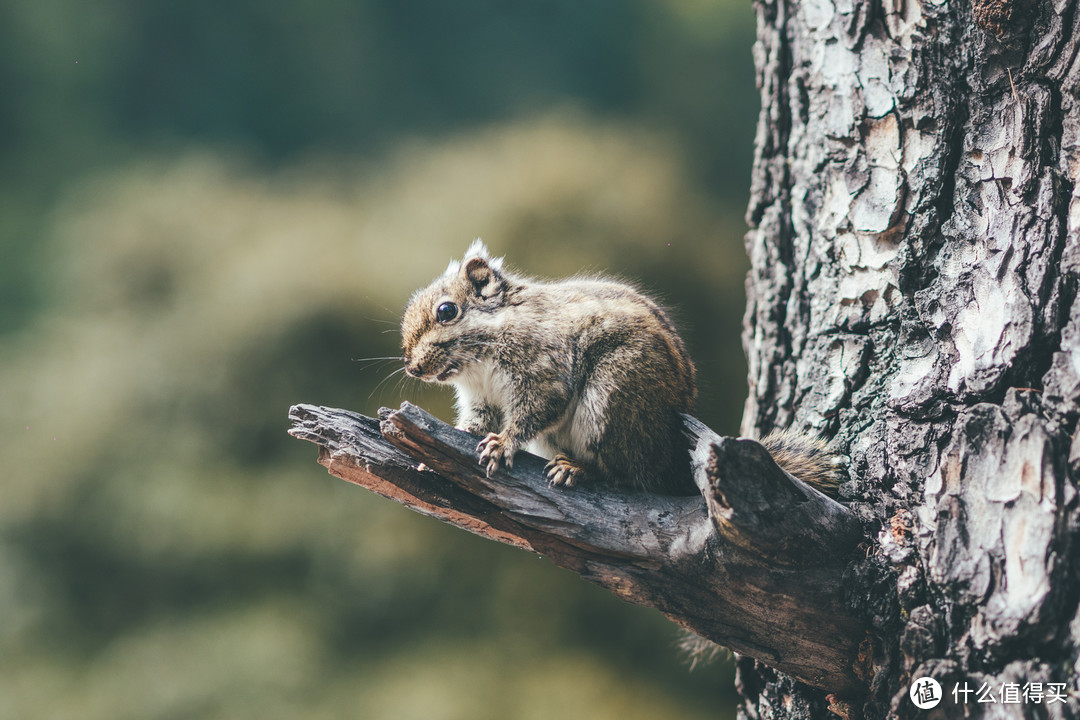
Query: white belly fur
(481, 384)
(485, 383)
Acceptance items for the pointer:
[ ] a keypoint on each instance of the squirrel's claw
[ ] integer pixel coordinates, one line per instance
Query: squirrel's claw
(561, 470)
(495, 449)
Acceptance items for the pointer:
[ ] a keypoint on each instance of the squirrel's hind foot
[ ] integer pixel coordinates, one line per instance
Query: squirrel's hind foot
(564, 471)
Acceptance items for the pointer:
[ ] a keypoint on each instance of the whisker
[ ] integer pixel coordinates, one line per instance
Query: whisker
(383, 381)
(405, 385)
(402, 382)
(380, 320)
(388, 311)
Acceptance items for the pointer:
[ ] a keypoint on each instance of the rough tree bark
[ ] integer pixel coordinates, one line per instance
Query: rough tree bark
(915, 248)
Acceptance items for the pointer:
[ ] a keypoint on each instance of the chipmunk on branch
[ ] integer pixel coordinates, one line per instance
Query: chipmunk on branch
(587, 372)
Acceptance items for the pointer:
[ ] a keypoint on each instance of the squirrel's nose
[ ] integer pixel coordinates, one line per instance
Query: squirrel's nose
(412, 369)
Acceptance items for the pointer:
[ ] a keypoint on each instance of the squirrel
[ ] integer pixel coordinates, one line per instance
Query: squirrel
(587, 372)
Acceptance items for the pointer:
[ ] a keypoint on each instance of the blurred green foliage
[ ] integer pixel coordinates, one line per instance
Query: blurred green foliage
(212, 210)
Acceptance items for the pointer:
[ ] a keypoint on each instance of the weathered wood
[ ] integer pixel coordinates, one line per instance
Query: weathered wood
(758, 566)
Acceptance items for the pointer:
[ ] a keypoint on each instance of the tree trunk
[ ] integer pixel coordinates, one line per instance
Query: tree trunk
(915, 247)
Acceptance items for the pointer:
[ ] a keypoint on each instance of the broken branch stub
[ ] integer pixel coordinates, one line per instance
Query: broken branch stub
(756, 566)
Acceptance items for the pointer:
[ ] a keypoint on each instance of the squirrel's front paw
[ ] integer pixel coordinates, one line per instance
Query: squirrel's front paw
(494, 449)
(563, 471)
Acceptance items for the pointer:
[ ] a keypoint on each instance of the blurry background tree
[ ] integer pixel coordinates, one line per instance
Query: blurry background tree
(193, 196)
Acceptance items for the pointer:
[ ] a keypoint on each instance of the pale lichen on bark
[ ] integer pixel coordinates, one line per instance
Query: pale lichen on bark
(915, 250)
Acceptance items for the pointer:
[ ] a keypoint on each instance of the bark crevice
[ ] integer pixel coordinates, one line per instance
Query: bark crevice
(946, 244)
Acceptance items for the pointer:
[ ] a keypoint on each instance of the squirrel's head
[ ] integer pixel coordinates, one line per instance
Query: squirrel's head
(450, 323)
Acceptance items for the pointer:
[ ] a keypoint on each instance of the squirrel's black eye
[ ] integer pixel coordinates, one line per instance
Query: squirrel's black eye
(446, 312)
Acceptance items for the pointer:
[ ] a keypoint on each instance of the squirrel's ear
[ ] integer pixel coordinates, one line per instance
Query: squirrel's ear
(485, 280)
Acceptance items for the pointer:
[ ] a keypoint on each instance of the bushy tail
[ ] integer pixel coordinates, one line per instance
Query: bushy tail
(699, 651)
(808, 458)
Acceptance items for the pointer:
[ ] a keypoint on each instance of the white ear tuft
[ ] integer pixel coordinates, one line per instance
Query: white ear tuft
(476, 249)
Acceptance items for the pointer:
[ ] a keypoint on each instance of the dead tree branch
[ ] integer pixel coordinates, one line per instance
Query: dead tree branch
(756, 567)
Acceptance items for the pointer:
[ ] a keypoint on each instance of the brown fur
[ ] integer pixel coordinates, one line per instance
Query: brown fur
(591, 372)
(807, 457)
